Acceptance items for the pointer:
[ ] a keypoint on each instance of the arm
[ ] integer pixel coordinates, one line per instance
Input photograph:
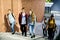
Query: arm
(54, 23)
(47, 27)
(26, 19)
(19, 19)
(42, 26)
(47, 24)
(54, 26)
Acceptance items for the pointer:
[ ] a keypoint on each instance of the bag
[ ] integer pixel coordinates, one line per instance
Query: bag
(13, 16)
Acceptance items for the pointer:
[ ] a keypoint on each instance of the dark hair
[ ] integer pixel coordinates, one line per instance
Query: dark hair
(23, 8)
(45, 18)
(52, 15)
(30, 9)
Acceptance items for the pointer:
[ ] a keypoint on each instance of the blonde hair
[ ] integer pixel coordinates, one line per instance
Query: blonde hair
(33, 16)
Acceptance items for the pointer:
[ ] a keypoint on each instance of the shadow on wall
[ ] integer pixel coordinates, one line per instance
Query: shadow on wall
(8, 28)
(16, 28)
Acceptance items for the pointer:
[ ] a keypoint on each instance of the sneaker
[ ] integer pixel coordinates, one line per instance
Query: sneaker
(31, 36)
(13, 33)
(34, 36)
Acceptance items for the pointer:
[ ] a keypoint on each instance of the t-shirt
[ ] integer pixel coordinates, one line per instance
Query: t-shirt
(44, 25)
(23, 19)
(11, 18)
(29, 19)
(51, 23)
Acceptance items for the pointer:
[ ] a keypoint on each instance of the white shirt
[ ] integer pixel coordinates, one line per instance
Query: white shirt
(44, 25)
(23, 19)
(11, 19)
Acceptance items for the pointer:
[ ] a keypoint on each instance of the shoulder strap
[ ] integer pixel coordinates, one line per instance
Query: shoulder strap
(13, 16)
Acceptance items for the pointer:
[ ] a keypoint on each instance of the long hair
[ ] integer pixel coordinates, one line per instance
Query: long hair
(33, 16)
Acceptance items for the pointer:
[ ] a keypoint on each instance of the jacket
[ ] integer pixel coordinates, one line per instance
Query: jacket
(20, 18)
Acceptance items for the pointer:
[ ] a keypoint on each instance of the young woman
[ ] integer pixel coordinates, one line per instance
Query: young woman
(51, 27)
(31, 23)
(44, 25)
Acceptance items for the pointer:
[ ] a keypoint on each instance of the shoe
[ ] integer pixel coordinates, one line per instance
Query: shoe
(31, 36)
(13, 33)
(34, 36)
(25, 35)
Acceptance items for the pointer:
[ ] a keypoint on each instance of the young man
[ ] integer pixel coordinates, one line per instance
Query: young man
(23, 22)
(31, 23)
(11, 20)
(44, 25)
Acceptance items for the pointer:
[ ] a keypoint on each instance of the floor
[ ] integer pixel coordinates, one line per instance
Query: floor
(18, 36)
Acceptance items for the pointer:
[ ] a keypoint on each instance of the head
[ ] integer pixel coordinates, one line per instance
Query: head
(45, 20)
(9, 11)
(23, 9)
(30, 11)
(52, 16)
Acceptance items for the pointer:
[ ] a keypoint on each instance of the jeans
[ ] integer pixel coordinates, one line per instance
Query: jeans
(31, 29)
(44, 32)
(50, 33)
(12, 26)
(23, 29)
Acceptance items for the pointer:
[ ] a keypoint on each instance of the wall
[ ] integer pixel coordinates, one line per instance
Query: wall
(56, 6)
(36, 5)
(16, 5)
(4, 6)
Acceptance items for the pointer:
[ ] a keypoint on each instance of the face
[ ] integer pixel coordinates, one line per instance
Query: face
(30, 12)
(52, 17)
(23, 10)
(10, 11)
(45, 21)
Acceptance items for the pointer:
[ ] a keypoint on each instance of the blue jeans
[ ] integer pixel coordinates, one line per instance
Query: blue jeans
(31, 29)
(12, 26)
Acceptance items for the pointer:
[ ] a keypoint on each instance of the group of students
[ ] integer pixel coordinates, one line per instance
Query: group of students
(30, 20)
(24, 21)
(49, 27)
